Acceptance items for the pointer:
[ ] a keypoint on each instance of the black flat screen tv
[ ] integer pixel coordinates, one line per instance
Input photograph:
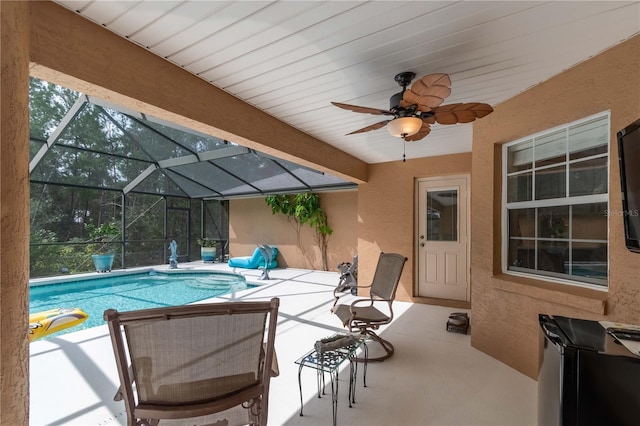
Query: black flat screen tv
(629, 157)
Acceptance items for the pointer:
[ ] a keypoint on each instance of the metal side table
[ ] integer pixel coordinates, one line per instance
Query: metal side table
(329, 362)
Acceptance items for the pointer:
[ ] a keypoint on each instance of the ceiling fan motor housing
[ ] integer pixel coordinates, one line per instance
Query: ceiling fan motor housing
(394, 101)
(398, 111)
(403, 79)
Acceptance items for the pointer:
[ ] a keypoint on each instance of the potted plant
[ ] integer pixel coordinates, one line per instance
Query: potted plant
(207, 249)
(100, 237)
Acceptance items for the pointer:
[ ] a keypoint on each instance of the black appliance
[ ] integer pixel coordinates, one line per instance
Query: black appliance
(586, 377)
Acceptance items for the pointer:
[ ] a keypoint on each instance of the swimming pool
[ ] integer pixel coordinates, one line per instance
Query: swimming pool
(125, 292)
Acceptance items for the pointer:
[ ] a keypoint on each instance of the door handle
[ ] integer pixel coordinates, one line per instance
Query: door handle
(421, 244)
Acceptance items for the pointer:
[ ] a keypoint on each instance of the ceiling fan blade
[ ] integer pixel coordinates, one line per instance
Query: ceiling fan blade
(424, 131)
(461, 113)
(365, 110)
(375, 126)
(431, 119)
(428, 92)
(440, 79)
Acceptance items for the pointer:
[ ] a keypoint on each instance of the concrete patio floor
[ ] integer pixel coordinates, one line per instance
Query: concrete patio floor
(434, 377)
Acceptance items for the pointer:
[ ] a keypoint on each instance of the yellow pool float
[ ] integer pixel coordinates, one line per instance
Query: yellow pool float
(44, 323)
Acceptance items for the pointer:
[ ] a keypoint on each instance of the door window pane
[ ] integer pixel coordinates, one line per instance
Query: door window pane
(442, 215)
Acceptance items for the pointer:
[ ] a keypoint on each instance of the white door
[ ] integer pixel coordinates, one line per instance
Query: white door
(442, 241)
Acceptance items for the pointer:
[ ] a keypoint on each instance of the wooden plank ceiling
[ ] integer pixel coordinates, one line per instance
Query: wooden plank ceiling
(292, 58)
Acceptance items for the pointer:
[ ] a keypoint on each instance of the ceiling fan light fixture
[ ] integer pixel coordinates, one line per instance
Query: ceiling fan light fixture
(402, 127)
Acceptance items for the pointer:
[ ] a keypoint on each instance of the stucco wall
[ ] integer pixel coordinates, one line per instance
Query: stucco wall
(378, 217)
(251, 222)
(505, 309)
(14, 214)
(386, 212)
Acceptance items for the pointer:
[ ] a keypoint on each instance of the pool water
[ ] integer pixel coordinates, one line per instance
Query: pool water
(131, 292)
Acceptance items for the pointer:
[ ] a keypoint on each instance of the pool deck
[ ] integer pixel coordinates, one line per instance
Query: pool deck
(434, 377)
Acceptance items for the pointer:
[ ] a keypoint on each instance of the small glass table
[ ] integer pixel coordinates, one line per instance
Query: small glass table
(329, 362)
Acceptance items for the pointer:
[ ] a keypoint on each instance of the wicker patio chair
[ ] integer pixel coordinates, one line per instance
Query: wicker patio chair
(362, 314)
(203, 364)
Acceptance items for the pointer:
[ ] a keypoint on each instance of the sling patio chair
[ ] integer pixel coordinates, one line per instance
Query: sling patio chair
(348, 276)
(363, 314)
(202, 364)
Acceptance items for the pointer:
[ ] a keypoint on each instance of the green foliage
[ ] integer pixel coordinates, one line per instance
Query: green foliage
(304, 209)
(104, 232)
(101, 236)
(280, 204)
(48, 103)
(207, 242)
(48, 257)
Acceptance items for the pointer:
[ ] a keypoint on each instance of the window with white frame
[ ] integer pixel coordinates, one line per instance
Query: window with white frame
(555, 194)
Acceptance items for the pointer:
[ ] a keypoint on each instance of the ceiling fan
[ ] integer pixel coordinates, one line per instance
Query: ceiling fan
(416, 109)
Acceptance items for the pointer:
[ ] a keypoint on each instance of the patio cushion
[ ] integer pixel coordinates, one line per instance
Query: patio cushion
(255, 261)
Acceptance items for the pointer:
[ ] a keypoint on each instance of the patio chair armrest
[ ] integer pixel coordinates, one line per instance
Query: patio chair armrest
(338, 292)
(360, 302)
(372, 302)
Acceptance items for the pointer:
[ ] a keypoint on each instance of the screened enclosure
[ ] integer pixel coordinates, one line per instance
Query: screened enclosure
(93, 163)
